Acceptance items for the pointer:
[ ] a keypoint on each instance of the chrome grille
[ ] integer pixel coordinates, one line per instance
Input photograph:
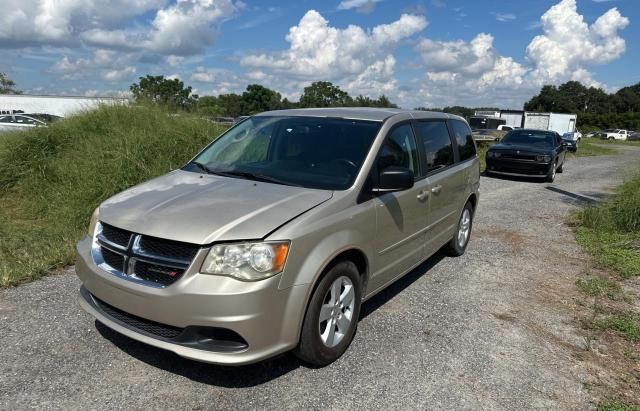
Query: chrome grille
(116, 235)
(148, 260)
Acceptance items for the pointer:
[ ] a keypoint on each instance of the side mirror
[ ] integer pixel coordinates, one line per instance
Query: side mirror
(394, 179)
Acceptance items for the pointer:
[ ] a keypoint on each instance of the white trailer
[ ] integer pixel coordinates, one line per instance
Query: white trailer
(560, 123)
(57, 105)
(513, 118)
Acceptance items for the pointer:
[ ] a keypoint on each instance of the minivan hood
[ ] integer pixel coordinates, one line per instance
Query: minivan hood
(201, 208)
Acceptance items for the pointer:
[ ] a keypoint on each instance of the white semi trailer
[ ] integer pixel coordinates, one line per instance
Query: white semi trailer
(512, 118)
(57, 105)
(560, 123)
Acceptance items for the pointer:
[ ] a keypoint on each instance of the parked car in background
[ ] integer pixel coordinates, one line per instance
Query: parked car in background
(614, 134)
(592, 134)
(572, 135)
(571, 144)
(273, 235)
(527, 153)
(633, 136)
(14, 122)
(227, 121)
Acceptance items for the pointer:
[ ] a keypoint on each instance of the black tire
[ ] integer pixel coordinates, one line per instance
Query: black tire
(311, 348)
(551, 174)
(454, 248)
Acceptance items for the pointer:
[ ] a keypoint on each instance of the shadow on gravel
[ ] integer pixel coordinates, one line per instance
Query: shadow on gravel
(254, 374)
(585, 199)
(396, 288)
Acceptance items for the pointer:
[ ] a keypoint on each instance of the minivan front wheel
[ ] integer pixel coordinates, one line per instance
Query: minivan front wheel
(460, 240)
(332, 316)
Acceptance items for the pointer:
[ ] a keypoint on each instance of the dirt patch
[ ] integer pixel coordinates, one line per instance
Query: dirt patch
(511, 238)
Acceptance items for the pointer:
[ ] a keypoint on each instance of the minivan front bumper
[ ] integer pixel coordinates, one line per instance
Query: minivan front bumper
(203, 317)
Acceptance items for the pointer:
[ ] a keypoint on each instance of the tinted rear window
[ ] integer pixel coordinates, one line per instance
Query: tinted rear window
(437, 144)
(464, 139)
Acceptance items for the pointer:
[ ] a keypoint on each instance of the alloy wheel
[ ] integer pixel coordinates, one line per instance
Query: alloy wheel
(464, 228)
(336, 313)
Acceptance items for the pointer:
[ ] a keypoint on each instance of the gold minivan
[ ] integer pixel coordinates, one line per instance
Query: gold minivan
(272, 237)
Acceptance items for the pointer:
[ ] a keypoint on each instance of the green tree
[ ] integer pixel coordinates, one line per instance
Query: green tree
(627, 99)
(7, 86)
(383, 101)
(258, 98)
(233, 104)
(160, 90)
(209, 106)
(324, 94)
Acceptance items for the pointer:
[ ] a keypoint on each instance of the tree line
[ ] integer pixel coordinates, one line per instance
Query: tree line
(255, 99)
(595, 108)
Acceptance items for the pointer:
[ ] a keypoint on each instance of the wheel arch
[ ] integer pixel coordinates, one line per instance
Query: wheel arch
(353, 254)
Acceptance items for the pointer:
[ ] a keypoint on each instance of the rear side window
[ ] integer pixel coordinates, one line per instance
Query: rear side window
(399, 149)
(437, 144)
(464, 139)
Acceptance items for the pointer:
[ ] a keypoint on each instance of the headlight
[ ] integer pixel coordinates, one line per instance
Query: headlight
(539, 157)
(490, 154)
(547, 159)
(94, 222)
(247, 261)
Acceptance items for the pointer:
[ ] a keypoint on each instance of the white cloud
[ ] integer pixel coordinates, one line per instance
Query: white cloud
(184, 28)
(362, 6)
(188, 26)
(220, 81)
(350, 56)
(505, 17)
(459, 72)
(119, 74)
(36, 22)
(568, 44)
(106, 64)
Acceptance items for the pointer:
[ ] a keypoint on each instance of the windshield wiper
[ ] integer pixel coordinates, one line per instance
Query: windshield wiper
(253, 176)
(203, 167)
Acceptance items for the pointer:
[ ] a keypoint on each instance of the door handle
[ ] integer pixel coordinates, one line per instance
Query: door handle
(422, 195)
(436, 189)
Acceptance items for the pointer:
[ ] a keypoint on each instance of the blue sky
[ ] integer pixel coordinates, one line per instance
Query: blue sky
(431, 53)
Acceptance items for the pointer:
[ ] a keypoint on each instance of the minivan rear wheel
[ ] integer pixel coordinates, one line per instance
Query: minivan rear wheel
(332, 315)
(458, 244)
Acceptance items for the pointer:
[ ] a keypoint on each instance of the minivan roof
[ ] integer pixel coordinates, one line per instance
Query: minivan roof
(358, 113)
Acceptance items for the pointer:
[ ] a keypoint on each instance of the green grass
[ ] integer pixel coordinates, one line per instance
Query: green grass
(52, 178)
(599, 286)
(626, 324)
(482, 153)
(588, 147)
(616, 405)
(619, 142)
(611, 231)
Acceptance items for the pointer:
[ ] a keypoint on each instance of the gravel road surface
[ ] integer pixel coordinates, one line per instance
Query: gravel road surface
(492, 329)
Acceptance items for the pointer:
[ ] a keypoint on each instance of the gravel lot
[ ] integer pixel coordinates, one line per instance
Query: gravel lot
(492, 329)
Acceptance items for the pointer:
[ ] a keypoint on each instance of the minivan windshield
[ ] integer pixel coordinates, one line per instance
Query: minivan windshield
(534, 138)
(312, 152)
